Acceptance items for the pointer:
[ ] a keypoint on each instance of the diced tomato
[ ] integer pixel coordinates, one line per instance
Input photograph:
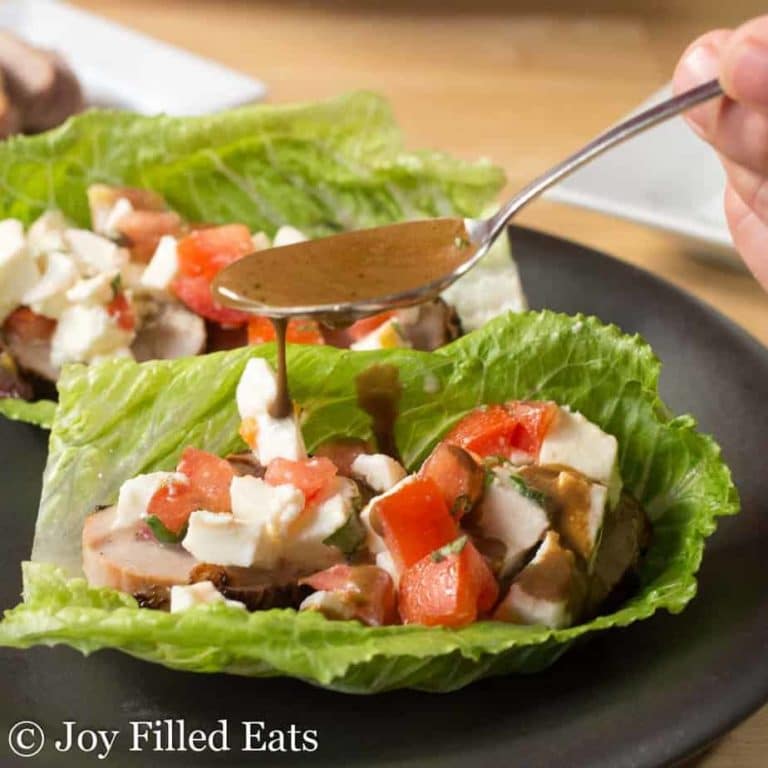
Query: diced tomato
(414, 520)
(342, 451)
(142, 230)
(367, 325)
(310, 476)
(459, 477)
(195, 292)
(261, 330)
(122, 310)
(502, 430)
(210, 476)
(447, 588)
(28, 326)
(203, 253)
(172, 504)
(368, 588)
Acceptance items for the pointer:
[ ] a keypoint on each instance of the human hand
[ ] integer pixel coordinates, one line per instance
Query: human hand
(737, 127)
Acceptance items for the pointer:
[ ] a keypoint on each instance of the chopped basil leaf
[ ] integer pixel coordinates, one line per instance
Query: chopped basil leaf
(162, 534)
(460, 506)
(525, 490)
(349, 537)
(116, 285)
(449, 549)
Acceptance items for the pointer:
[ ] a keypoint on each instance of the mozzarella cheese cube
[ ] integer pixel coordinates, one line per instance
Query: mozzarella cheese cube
(186, 596)
(112, 217)
(94, 253)
(18, 271)
(288, 236)
(385, 561)
(305, 545)
(278, 439)
(222, 539)
(257, 389)
(163, 267)
(49, 295)
(526, 604)
(379, 471)
(136, 493)
(47, 233)
(332, 605)
(274, 508)
(388, 335)
(94, 290)
(260, 241)
(85, 332)
(511, 517)
(573, 441)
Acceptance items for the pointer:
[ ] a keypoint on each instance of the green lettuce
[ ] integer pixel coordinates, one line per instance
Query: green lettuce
(39, 413)
(322, 167)
(118, 418)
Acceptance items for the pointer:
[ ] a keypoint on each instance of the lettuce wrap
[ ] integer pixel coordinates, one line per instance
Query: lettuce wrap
(321, 167)
(118, 419)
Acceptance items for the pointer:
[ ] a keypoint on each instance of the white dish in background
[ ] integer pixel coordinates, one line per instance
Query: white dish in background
(666, 178)
(120, 68)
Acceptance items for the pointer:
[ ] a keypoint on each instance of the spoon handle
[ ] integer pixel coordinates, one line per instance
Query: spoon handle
(619, 133)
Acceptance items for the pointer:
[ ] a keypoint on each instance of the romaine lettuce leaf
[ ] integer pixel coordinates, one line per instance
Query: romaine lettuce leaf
(39, 413)
(321, 167)
(117, 419)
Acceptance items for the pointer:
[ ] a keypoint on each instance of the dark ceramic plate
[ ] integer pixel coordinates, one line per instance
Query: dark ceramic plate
(642, 696)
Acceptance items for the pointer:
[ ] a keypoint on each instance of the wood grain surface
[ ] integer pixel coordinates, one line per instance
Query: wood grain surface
(521, 82)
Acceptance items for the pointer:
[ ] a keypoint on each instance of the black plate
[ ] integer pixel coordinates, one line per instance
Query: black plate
(642, 696)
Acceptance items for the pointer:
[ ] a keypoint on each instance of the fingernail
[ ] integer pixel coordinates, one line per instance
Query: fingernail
(699, 65)
(747, 72)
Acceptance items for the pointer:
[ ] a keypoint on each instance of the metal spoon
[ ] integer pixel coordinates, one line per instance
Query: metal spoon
(342, 277)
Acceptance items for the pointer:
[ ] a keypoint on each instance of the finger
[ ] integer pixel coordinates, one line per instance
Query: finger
(749, 233)
(744, 64)
(751, 187)
(699, 63)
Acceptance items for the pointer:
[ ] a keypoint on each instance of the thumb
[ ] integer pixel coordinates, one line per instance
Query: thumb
(744, 64)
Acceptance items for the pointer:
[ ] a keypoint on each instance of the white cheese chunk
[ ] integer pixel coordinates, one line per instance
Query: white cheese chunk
(385, 561)
(136, 493)
(288, 236)
(379, 471)
(18, 270)
(222, 539)
(257, 389)
(186, 596)
(305, 543)
(49, 295)
(94, 290)
(94, 253)
(388, 335)
(260, 241)
(47, 233)
(275, 508)
(113, 216)
(85, 332)
(524, 603)
(278, 439)
(332, 605)
(163, 267)
(513, 518)
(573, 441)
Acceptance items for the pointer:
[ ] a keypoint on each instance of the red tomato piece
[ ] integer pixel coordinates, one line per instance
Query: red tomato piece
(28, 326)
(367, 325)
(414, 520)
(195, 292)
(204, 252)
(502, 430)
(449, 589)
(261, 330)
(368, 588)
(210, 477)
(460, 478)
(172, 504)
(310, 476)
(122, 310)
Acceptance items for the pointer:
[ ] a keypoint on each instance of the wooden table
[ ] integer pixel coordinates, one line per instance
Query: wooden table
(522, 87)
